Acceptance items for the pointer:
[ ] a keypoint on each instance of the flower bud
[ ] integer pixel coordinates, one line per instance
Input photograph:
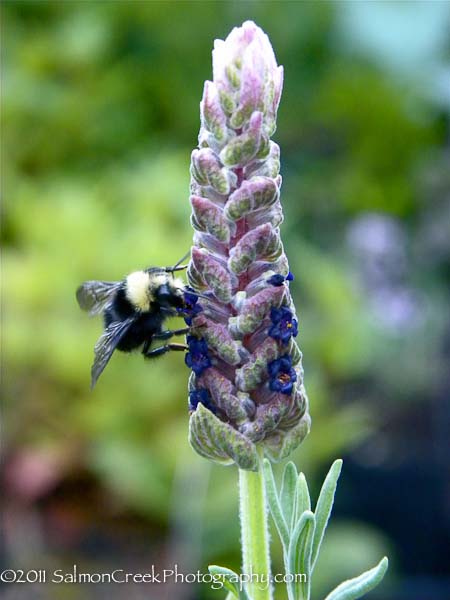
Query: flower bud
(261, 243)
(207, 216)
(213, 274)
(212, 113)
(253, 194)
(242, 148)
(207, 169)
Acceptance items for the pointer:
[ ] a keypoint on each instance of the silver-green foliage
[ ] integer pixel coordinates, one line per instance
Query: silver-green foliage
(301, 533)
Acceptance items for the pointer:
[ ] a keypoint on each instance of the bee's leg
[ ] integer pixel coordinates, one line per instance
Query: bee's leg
(164, 349)
(146, 346)
(165, 335)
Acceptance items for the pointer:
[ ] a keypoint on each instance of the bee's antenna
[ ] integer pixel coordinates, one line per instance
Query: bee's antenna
(182, 258)
(178, 266)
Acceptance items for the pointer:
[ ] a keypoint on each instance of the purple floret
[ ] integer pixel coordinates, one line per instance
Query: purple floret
(282, 375)
(284, 325)
(277, 280)
(197, 357)
(200, 396)
(191, 307)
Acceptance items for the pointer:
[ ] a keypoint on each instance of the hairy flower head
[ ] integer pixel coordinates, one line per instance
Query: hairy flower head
(246, 387)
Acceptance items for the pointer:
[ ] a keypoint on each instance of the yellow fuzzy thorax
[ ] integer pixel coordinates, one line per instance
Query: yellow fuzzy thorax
(138, 290)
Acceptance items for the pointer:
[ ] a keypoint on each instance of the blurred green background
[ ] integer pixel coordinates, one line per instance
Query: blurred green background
(101, 111)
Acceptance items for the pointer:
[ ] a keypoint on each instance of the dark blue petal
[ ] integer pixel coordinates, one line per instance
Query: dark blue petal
(200, 396)
(275, 315)
(285, 335)
(274, 332)
(283, 387)
(197, 357)
(284, 325)
(275, 385)
(276, 280)
(191, 297)
(287, 388)
(282, 375)
(191, 306)
(273, 368)
(198, 366)
(285, 363)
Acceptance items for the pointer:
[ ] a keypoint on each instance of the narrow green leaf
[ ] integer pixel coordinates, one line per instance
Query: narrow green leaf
(274, 504)
(228, 578)
(299, 555)
(303, 500)
(323, 508)
(288, 495)
(352, 589)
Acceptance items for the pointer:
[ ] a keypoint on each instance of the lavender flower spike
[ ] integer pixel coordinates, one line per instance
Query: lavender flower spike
(246, 388)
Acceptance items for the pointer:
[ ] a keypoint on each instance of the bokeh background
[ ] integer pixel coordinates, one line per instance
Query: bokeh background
(101, 111)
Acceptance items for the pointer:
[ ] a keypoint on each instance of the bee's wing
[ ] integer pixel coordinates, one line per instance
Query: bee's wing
(94, 296)
(106, 345)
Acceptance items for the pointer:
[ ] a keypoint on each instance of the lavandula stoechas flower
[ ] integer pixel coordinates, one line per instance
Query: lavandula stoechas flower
(247, 382)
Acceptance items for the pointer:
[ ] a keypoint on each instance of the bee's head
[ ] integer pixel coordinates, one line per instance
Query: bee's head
(167, 290)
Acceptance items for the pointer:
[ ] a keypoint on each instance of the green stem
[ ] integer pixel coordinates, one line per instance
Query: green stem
(254, 534)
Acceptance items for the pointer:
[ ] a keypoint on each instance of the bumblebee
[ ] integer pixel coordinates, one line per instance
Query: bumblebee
(134, 311)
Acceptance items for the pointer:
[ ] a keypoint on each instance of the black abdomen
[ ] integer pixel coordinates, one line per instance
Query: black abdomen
(143, 328)
(140, 331)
